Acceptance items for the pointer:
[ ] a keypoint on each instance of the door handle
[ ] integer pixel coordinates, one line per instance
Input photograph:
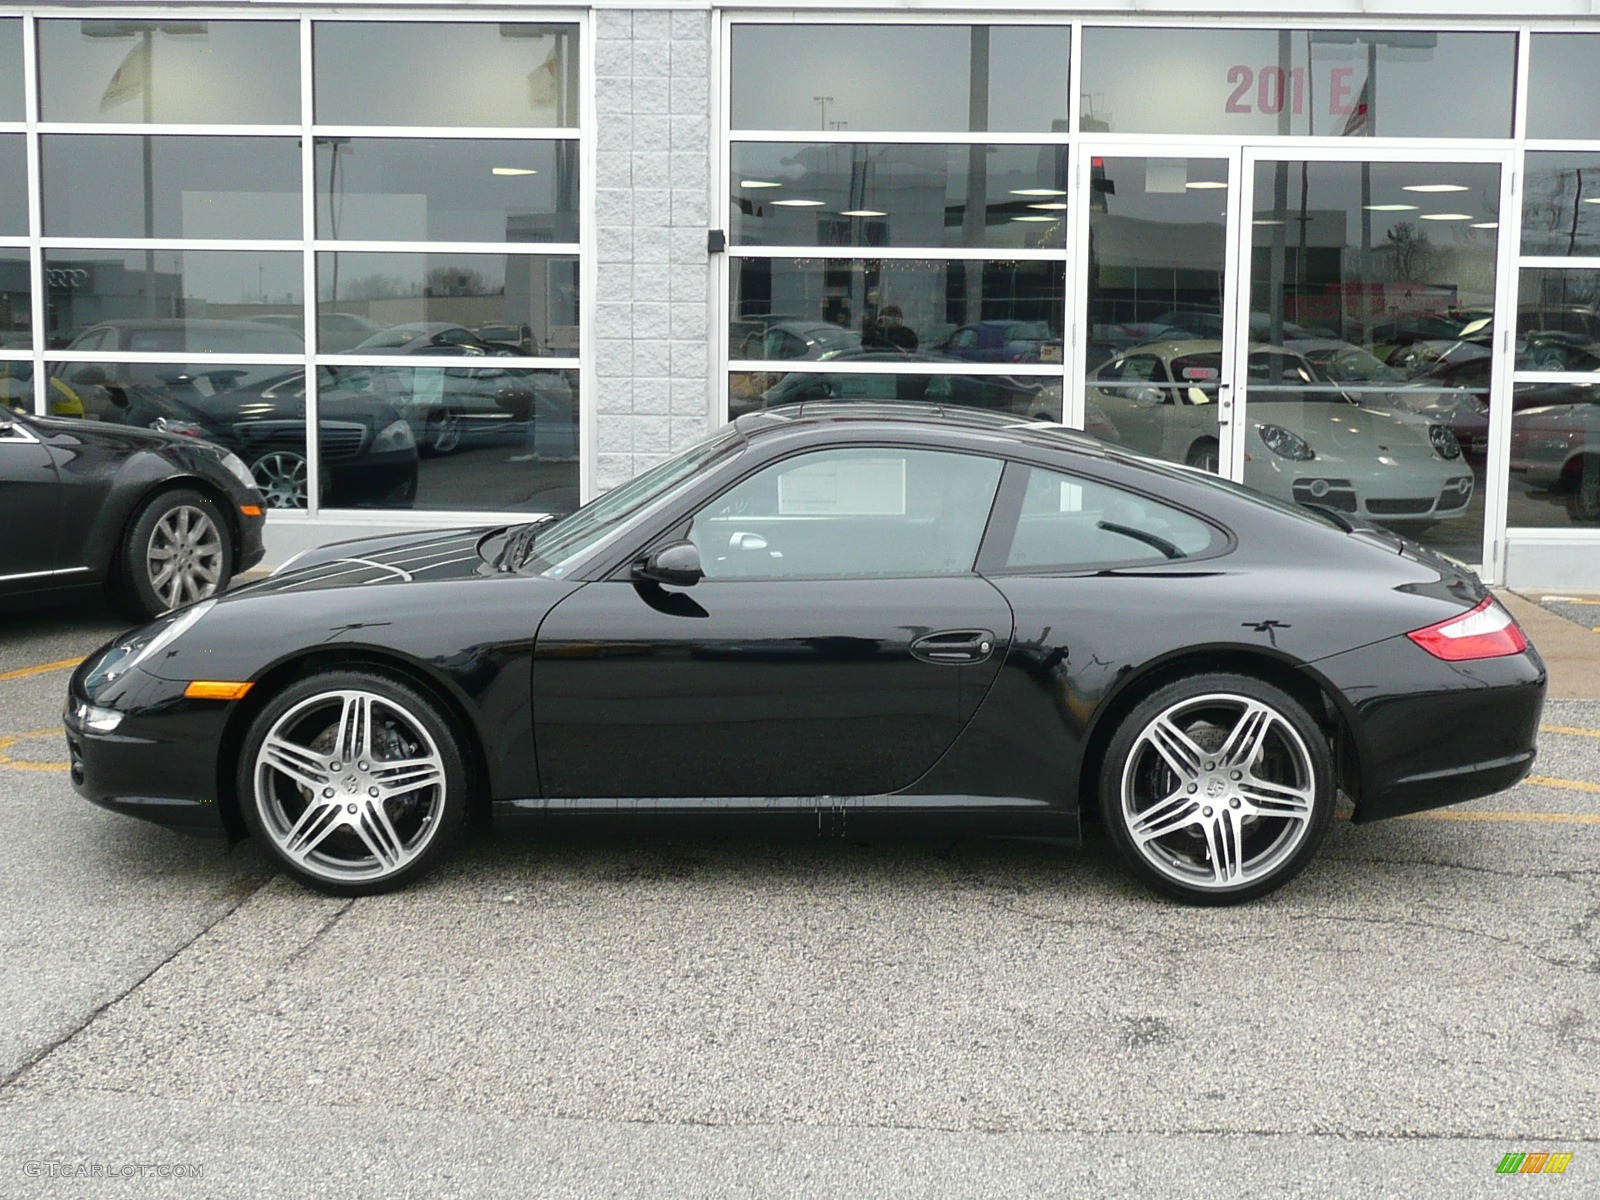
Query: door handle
(954, 647)
(1225, 404)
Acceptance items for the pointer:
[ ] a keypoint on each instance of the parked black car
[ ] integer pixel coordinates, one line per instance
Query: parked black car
(159, 520)
(852, 615)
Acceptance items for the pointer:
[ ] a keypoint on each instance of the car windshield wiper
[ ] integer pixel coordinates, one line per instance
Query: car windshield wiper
(518, 545)
(1139, 535)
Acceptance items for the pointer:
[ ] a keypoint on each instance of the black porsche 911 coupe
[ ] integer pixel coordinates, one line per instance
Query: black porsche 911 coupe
(860, 616)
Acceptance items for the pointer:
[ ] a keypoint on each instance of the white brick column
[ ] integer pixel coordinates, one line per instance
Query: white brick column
(651, 387)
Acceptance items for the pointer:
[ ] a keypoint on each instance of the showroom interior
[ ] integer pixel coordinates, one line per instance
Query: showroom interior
(440, 266)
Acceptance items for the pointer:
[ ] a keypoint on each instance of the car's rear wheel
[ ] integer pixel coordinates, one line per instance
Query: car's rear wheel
(443, 433)
(1583, 501)
(354, 781)
(1203, 454)
(1217, 789)
(179, 549)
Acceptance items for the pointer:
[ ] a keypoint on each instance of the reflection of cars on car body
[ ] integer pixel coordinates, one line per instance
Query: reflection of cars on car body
(938, 614)
(159, 521)
(1307, 440)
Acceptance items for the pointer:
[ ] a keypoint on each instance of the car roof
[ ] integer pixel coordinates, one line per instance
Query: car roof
(913, 414)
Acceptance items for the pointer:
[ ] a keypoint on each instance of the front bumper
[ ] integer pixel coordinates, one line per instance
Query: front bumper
(1431, 733)
(160, 763)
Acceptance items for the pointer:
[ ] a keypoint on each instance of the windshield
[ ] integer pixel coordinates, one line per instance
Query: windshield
(573, 538)
(1351, 364)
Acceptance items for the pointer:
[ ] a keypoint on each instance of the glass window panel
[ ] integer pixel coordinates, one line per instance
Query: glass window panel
(1561, 102)
(11, 92)
(16, 385)
(798, 194)
(1372, 310)
(428, 189)
(1555, 455)
(920, 78)
(989, 311)
(16, 300)
(452, 304)
(1324, 83)
(1561, 204)
(1033, 396)
(1071, 524)
(197, 187)
(1558, 319)
(13, 185)
(174, 71)
(410, 73)
(485, 437)
(178, 301)
(878, 513)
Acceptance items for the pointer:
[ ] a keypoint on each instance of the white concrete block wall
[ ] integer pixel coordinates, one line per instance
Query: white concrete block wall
(651, 389)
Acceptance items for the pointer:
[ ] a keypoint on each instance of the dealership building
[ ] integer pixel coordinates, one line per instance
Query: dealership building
(433, 265)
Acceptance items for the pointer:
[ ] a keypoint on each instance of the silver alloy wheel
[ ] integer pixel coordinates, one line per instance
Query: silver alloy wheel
(1218, 791)
(281, 476)
(349, 785)
(444, 431)
(184, 558)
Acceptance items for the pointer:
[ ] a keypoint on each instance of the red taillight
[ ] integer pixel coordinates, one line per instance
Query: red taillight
(1488, 631)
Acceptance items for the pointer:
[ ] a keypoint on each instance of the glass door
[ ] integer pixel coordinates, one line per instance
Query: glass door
(1158, 237)
(1370, 289)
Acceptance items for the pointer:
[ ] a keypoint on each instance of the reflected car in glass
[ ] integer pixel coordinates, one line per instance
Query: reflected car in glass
(428, 337)
(849, 618)
(1308, 441)
(1556, 446)
(1003, 342)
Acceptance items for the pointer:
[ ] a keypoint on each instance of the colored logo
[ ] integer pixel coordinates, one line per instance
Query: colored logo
(1533, 1164)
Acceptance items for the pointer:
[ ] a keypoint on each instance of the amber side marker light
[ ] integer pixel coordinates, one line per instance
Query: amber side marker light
(250, 510)
(1488, 631)
(216, 689)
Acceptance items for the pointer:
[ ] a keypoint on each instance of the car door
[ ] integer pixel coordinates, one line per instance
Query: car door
(29, 507)
(837, 644)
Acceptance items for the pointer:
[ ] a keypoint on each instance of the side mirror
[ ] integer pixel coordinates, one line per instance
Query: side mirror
(677, 564)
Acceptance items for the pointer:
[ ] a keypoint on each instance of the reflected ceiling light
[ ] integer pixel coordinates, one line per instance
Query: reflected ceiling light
(1037, 192)
(515, 171)
(1591, 199)
(1269, 222)
(1447, 216)
(1033, 218)
(1487, 225)
(1202, 185)
(1436, 187)
(798, 203)
(758, 183)
(1390, 207)
(1053, 206)
(861, 212)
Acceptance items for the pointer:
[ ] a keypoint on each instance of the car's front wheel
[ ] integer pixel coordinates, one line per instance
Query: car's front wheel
(443, 432)
(355, 782)
(178, 550)
(1217, 789)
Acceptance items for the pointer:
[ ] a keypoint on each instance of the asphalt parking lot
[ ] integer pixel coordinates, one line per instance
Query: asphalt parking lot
(608, 1015)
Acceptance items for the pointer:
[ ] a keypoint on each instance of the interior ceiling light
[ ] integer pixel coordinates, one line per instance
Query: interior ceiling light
(1435, 187)
(1259, 222)
(1037, 192)
(1591, 199)
(798, 203)
(1487, 225)
(1033, 218)
(1390, 207)
(515, 171)
(1447, 216)
(1201, 185)
(758, 183)
(1054, 206)
(862, 212)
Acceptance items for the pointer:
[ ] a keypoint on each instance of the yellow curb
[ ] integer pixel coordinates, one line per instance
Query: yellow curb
(41, 669)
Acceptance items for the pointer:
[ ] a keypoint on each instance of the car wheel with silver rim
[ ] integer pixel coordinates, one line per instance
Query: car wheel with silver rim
(179, 549)
(354, 781)
(1217, 789)
(443, 433)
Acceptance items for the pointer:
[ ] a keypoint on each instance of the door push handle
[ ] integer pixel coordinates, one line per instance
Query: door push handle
(954, 647)
(1224, 404)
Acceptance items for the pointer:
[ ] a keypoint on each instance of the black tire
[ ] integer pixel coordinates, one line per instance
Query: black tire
(1583, 501)
(184, 529)
(340, 855)
(441, 433)
(1204, 454)
(1215, 839)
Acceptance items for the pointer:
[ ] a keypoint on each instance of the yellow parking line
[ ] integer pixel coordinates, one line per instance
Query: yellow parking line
(1574, 730)
(11, 739)
(1568, 600)
(1571, 785)
(41, 669)
(1544, 818)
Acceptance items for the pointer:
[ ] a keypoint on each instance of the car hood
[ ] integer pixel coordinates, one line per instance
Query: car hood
(1344, 429)
(392, 559)
(102, 433)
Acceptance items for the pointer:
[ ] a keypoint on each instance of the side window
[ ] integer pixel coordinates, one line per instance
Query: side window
(1068, 523)
(875, 512)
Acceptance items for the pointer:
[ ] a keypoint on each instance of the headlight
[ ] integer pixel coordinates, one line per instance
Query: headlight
(101, 720)
(141, 645)
(1285, 443)
(395, 436)
(1444, 441)
(234, 465)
